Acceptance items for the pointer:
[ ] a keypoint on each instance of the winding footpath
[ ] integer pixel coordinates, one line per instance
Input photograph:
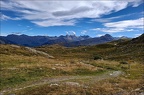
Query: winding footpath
(106, 75)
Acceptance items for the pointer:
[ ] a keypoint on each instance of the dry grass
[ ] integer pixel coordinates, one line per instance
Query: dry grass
(20, 67)
(106, 87)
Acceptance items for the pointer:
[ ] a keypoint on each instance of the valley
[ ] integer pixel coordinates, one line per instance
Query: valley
(112, 68)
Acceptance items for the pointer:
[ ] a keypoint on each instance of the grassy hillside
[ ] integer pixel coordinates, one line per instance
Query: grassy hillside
(111, 51)
(77, 69)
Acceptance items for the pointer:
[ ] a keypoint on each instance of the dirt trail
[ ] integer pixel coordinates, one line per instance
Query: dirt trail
(107, 75)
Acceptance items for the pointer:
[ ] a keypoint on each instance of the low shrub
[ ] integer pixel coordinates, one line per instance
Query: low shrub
(97, 57)
(123, 62)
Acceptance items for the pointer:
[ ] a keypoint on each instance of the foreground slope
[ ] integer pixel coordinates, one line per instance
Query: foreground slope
(29, 71)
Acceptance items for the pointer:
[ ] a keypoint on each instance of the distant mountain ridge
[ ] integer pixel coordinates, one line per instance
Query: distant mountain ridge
(33, 41)
(91, 41)
(67, 40)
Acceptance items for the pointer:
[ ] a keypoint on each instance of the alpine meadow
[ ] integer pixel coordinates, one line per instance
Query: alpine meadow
(71, 47)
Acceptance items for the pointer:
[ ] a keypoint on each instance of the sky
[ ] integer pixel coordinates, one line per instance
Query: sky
(73, 17)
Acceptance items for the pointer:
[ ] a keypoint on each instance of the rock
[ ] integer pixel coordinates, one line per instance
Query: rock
(53, 68)
(54, 84)
(111, 74)
(138, 89)
(15, 46)
(38, 52)
(72, 84)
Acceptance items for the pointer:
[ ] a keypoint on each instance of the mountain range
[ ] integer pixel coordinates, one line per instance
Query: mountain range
(67, 40)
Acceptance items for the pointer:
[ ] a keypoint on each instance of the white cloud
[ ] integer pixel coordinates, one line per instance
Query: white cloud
(130, 30)
(70, 32)
(138, 23)
(54, 22)
(109, 30)
(74, 33)
(4, 17)
(137, 35)
(3, 34)
(84, 32)
(17, 33)
(99, 35)
(122, 26)
(110, 19)
(97, 29)
(135, 4)
(56, 13)
(113, 30)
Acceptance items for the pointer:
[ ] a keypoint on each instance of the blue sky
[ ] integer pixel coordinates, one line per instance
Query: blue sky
(61, 17)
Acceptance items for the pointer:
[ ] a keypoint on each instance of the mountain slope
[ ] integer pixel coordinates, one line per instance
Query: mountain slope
(32, 41)
(20, 50)
(139, 39)
(5, 41)
(25, 40)
(127, 49)
(92, 41)
(67, 40)
(86, 42)
(121, 50)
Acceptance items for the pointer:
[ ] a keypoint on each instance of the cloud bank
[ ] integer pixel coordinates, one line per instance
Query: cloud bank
(57, 13)
(122, 26)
